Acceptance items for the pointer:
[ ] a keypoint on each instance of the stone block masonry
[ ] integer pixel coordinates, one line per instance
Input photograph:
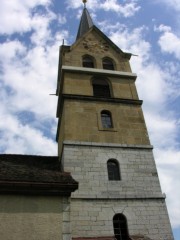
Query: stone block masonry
(88, 165)
(137, 195)
(92, 218)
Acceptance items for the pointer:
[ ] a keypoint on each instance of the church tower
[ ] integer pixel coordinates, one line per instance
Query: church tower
(103, 141)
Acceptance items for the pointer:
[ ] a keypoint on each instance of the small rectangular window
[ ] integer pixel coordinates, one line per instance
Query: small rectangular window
(106, 119)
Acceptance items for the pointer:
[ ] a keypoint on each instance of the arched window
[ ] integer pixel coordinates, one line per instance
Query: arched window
(113, 170)
(120, 227)
(101, 88)
(88, 61)
(108, 64)
(106, 119)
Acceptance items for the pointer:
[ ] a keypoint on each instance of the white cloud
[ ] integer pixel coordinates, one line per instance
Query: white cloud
(10, 49)
(23, 139)
(15, 15)
(32, 78)
(162, 28)
(27, 78)
(62, 19)
(169, 170)
(162, 128)
(127, 9)
(130, 41)
(40, 25)
(170, 43)
(174, 4)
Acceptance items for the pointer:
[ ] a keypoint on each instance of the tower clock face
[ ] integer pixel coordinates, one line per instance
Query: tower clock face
(95, 45)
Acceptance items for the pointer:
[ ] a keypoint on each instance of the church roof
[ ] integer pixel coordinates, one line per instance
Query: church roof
(34, 175)
(85, 23)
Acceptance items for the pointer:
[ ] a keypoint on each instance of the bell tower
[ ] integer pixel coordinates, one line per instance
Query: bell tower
(103, 141)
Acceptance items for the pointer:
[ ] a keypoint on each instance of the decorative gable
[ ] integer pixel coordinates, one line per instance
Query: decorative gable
(98, 46)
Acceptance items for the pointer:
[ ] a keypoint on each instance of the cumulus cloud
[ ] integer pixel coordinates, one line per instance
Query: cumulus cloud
(168, 41)
(13, 11)
(174, 4)
(126, 9)
(162, 128)
(11, 49)
(169, 169)
(28, 73)
(23, 139)
(28, 78)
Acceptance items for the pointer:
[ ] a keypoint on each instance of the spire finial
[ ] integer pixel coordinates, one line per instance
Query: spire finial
(84, 1)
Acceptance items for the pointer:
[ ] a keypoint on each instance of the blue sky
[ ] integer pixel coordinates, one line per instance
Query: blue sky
(31, 32)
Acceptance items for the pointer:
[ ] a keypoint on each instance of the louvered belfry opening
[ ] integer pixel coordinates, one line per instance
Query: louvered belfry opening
(108, 64)
(101, 88)
(88, 61)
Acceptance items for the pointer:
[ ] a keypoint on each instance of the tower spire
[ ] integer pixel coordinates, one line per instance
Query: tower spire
(85, 23)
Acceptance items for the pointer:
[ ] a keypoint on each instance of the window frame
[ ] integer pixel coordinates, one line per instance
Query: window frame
(119, 224)
(113, 174)
(101, 88)
(100, 127)
(106, 121)
(92, 61)
(111, 64)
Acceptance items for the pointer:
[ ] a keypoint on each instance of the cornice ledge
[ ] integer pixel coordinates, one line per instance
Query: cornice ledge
(120, 196)
(108, 145)
(103, 99)
(98, 71)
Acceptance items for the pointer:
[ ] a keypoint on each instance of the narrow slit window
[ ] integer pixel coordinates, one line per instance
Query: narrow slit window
(113, 170)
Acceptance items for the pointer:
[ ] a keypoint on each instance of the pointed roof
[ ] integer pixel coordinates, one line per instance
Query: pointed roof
(85, 24)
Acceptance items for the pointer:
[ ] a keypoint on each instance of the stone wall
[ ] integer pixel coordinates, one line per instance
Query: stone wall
(137, 195)
(88, 165)
(92, 218)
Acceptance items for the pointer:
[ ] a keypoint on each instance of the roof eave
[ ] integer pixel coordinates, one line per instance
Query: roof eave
(37, 188)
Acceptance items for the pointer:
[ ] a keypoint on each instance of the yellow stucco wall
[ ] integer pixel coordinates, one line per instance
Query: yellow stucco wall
(81, 119)
(94, 40)
(81, 84)
(30, 218)
(83, 123)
